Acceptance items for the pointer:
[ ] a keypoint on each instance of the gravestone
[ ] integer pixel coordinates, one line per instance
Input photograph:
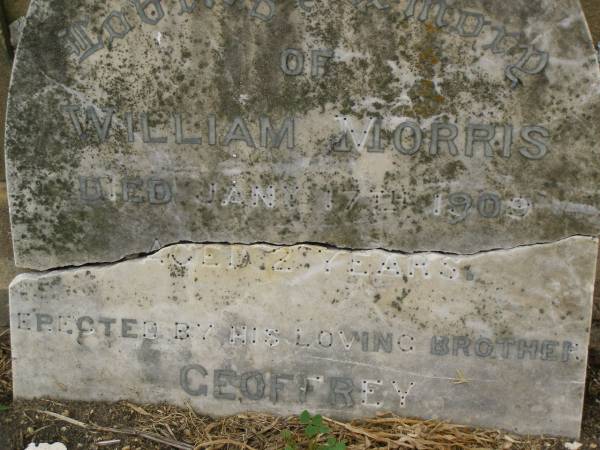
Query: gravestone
(497, 339)
(412, 125)
(349, 206)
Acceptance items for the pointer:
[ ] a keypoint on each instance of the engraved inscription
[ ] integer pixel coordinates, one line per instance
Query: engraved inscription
(406, 139)
(442, 14)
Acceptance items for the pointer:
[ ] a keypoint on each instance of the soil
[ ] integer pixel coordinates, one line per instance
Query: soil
(592, 13)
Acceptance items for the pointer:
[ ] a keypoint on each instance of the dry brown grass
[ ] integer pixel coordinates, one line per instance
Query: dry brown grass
(261, 431)
(5, 365)
(184, 429)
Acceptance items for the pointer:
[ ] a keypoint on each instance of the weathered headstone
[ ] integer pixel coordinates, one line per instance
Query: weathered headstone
(7, 266)
(497, 339)
(411, 125)
(372, 127)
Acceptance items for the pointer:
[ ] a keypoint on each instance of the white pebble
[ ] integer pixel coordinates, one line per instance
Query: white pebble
(55, 446)
(573, 445)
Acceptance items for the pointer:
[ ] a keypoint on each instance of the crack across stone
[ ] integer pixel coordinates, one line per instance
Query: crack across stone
(143, 255)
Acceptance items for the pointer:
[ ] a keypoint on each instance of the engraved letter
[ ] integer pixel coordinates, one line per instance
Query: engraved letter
(159, 192)
(259, 382)
(268, 198)
(156, 13)
(90, 189)
(383, 342)
(480, 22)
(460, 343)
(521, 66)
(122, 26)
(568, 348)
(126, 326)
(42, 320)
(182, 331)
(72, 110)
(527, 347)
(548, 352)
(328, 341)
(184, 380)
(306, 387)
(146, 135)
(359, 138)
(212, 129)
(254, 12)
(489, 205)
(417, 138)
(239, 132)
(179, 137)
(86, 331)
(450, 134)
(484, 347)
(130, 188)
(341, 389)
(223, 378)
(507, 141)
(479, 133)
(188, 7)
(401, 393)
(277, 386)
(439, 345)
(102, 129)
(79, 41)
(107, 325)
(240, 334)
(410, 11)
(292, 62)
(319, 59)
(287, 130)
(130, 133)
(375, 145)
(367, 388)
(501, 36)
(506, 345)
(540, 144)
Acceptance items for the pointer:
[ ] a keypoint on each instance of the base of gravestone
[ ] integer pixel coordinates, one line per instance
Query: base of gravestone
(234, 328)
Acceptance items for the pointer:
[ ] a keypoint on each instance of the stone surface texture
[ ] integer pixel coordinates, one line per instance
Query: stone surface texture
(16, 30)
(91, 185)
(497, 339)
(7, 263)
(7, 266)
(5, 70)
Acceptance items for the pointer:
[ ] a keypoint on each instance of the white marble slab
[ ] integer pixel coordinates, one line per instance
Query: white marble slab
(499, 339)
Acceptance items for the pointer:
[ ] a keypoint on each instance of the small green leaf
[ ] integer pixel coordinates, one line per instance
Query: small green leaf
(305, 418)
(4, 408)
(311, 431)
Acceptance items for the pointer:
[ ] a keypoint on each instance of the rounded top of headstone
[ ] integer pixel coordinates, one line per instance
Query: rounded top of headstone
(410, 125)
